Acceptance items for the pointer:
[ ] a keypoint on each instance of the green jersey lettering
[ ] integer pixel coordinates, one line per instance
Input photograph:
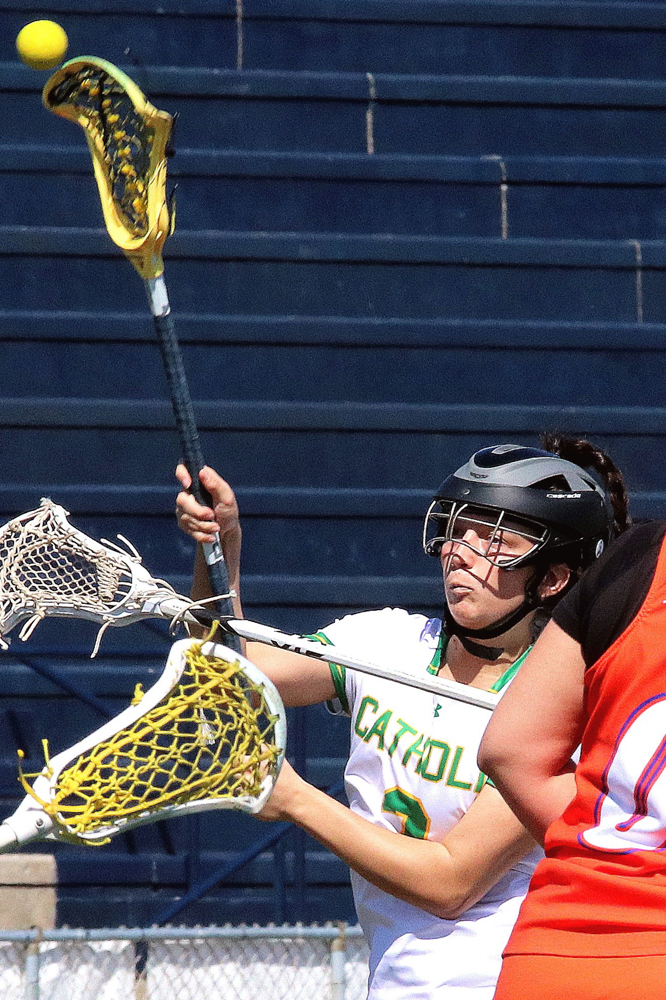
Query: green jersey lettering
(416, 822)
(451, 780)
(424, 763)
(367, 702)
(415, 748)
(481, 782)
(402, 729)
(379, 729)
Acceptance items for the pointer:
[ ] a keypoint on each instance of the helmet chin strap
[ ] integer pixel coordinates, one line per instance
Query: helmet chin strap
(499, 627)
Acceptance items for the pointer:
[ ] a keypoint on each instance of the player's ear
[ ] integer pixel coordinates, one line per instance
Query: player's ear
(555, 580)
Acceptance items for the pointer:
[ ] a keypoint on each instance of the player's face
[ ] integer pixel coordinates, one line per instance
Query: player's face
(479, 592)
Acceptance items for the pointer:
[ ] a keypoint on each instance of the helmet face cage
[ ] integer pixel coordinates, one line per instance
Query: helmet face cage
(500, 534)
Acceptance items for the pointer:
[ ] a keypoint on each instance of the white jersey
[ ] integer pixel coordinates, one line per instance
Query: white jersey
(412, 768)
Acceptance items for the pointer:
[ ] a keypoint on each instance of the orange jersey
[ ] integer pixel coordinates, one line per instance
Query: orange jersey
(565, 977)
(601, 890)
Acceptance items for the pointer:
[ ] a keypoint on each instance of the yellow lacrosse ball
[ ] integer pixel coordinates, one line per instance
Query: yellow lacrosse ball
(42, 44)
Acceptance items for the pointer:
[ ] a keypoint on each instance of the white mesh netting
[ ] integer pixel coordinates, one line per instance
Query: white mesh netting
(46, 564)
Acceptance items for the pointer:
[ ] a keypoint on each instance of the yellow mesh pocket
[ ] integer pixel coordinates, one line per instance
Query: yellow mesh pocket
(211, 737)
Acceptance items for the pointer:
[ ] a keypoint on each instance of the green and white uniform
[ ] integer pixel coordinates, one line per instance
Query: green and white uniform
(412, 768)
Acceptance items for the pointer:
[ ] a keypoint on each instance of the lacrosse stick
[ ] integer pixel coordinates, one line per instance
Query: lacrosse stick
(129, 139)
(49, 567)
(209, 734)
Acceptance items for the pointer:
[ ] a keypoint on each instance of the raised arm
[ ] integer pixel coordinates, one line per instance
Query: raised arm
(299, 679)
(527, 745)
(204, 524)
(445, 878)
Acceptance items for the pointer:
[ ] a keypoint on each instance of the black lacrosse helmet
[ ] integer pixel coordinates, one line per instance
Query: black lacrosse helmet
(561, 508)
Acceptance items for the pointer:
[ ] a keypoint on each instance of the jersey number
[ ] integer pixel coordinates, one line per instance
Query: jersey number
(415, 820)
(632, 815)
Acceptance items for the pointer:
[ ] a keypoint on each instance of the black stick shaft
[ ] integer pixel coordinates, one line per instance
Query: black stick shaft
(188, 433)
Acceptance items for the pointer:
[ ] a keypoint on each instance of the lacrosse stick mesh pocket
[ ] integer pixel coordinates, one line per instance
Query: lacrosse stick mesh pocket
(46, 566)
(211, 737)
(127, 138)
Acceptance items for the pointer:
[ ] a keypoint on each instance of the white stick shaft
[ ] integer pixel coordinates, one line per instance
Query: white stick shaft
(8, 838)
(333, 654)
(29, 822)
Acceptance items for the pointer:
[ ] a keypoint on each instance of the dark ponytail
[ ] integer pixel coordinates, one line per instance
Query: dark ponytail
(588, 456)
(593, 459)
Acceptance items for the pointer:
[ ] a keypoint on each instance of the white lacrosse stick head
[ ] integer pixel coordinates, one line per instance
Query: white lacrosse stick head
(48, 567)
(209, 734)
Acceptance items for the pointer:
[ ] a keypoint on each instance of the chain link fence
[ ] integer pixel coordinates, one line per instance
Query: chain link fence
(163, 963)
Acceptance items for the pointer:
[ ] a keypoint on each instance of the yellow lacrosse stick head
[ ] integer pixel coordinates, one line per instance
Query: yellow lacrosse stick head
(128, 139)
(209, 734)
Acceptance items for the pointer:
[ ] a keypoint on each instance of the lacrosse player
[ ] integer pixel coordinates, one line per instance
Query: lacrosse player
(593, 924)
(512, 528)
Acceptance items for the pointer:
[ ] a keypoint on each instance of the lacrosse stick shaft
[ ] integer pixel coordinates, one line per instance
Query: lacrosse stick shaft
(128, 139)
(7, 838)
(330, 654)
(67, 555)
(254, 632)
(29, 822)
(190, 443)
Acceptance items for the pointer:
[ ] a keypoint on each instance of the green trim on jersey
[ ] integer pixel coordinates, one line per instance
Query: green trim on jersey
(510, 672)
(436, 662)
(338, 673)
(501, 682)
